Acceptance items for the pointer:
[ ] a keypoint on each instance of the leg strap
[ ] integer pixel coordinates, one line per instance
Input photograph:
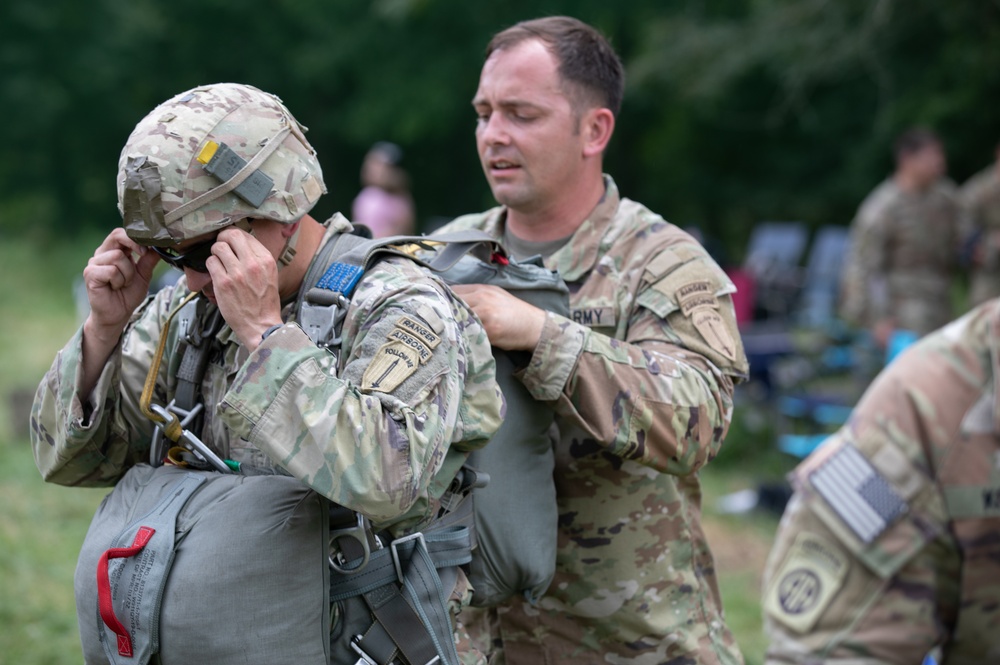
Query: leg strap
(403, 592)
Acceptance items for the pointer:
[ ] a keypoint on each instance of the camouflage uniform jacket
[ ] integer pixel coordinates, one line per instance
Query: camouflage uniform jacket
(903, 258)
(980, 198)
(891, 544)
(641, 377)
(294, 405)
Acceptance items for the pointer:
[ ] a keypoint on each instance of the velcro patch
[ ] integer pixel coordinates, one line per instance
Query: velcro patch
(858, 493)
(698, 302)
(311, 188)
(713, 329)
(421, 330)
(811, 576)
(392, 364)
(411, 341)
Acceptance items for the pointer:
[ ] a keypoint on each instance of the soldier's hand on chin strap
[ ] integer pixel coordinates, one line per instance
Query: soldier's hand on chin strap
(117, 279)
(245, 284)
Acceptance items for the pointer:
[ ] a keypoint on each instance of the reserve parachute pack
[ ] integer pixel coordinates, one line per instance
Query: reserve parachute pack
(170, 571)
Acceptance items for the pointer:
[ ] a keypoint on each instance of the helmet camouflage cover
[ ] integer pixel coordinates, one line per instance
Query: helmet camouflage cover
(168, 190)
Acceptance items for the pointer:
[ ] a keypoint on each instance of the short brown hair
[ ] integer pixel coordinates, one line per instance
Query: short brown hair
(586, 60)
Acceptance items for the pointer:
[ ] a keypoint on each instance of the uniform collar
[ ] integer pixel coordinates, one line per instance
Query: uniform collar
(577, 257)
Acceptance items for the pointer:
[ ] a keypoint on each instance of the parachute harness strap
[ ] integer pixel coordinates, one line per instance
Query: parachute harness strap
(171, 428)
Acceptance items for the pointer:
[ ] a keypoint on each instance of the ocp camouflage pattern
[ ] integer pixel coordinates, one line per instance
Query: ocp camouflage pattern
(929, 579)
(903, 258)
(643, 400)
(980, 198)
(293, 405)
(173, 134)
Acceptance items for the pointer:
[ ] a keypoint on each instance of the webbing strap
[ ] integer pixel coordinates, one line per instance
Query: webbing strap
(446, 548)
(409, 603)
(397, 621)
(424, 592)
(171, 428)
(195, 360)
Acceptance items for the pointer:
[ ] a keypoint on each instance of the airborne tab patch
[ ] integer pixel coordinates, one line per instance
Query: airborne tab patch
(411, 341)
(392, 364)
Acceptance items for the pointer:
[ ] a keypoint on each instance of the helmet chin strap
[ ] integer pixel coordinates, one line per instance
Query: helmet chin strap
(288, 253)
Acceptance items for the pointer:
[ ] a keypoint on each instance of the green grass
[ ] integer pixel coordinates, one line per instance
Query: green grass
(42, 526)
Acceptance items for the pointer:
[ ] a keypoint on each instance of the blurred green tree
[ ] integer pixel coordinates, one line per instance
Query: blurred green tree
(736, 110)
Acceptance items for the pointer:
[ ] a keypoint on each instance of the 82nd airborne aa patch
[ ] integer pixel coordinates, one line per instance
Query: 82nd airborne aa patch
(811, 576)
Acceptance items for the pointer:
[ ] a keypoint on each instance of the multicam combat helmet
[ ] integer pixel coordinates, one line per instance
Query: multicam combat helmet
(210, 157)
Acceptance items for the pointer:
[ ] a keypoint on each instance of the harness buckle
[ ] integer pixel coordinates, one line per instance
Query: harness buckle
(319, 321)
(395, 552)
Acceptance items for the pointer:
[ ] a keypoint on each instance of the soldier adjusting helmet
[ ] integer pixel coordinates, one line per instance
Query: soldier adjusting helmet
(210, 157)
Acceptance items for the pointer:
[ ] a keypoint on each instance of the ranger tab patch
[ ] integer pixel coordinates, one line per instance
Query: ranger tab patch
(420, 330)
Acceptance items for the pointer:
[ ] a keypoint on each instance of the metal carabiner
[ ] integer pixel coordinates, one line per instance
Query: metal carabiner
(189, 440)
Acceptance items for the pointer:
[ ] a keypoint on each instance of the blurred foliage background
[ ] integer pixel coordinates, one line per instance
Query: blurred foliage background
(736, 110)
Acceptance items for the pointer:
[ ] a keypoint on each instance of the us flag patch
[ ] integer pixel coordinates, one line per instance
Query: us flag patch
(858, 493)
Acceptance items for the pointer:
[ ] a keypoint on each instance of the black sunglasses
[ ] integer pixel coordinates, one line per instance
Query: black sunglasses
(195, 256)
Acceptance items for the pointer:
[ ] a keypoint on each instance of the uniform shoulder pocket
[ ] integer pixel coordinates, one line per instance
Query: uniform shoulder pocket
(686, 289)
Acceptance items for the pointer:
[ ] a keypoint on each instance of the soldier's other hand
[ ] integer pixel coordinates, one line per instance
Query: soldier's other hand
(245, 284)
(117, 280)
(510, 323)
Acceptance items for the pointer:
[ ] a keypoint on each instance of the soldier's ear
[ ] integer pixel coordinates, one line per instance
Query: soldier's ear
(596, 126)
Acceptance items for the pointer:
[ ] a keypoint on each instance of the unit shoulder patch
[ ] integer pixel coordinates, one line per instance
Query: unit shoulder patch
(393, 363)
(698, 302)
(810, 578)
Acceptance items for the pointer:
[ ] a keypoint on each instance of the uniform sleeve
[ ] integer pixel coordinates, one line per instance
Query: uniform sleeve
(980, 247)
(831, 596)
(864, 289)
(419, 376)
(658, 396)
(92, 440)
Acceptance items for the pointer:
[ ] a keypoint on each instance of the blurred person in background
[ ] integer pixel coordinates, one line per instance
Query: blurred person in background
(980, 198)
(384, 204)
(905, 245)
